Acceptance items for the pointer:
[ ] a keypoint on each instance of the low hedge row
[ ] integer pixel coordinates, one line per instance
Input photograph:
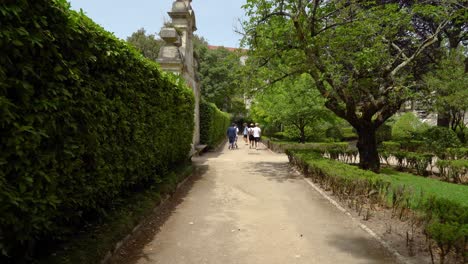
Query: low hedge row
(83, 119)
(213, 124)
(283, 146)
(456, 170)
(444, 205)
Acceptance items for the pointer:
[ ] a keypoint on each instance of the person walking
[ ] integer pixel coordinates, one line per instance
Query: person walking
(251, 135)
(237, 135)
(245, 133)
(232, 133)
(257, 132)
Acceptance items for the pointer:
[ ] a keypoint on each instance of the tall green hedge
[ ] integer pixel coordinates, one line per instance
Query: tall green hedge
(83, 119)
(213, 124)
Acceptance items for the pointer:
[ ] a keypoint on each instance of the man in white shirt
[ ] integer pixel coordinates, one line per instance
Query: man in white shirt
(257, 132)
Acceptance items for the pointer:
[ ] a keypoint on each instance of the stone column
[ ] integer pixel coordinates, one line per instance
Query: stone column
(177, 53)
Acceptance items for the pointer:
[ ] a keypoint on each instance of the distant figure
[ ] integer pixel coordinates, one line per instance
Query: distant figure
(246, 133)
(237, 135)
(232, 133)
(251, 135)
(257, 132)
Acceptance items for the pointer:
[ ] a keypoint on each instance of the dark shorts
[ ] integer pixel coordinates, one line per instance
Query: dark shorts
(257, 139)
(232, 139)
(251, 137)
(245, 136)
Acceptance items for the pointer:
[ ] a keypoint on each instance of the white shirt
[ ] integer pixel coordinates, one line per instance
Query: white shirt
(256, 131)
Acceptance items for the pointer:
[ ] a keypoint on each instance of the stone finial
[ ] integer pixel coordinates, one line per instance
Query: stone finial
(180, 6)
(170, 36)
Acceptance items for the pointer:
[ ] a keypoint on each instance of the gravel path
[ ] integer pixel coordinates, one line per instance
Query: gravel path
(248, 207)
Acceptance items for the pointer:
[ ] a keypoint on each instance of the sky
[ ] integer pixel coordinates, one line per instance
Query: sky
(216, 19)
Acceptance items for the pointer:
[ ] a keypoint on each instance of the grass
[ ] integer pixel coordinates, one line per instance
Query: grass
(429, 187)
(95, 242)
(417, 184)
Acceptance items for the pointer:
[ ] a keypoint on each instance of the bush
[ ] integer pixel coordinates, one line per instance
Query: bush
(335, 133)
(349, 133)
(408, 127)
(453, 170)
(438, 139)
(457, 153)
(443, 205)
(84, 119)
(383, 133)
(213, 124)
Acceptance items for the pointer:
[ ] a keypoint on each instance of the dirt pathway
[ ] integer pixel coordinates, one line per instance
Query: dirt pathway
(248, 207)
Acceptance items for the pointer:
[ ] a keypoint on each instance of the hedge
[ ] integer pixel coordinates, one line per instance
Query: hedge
(213, 124)
(443, 205)
(83, 119)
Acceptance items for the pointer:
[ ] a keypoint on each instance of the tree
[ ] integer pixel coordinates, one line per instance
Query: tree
(447, 89)
(360, 55)
(148, 45)
(219, 74)
(293, 101)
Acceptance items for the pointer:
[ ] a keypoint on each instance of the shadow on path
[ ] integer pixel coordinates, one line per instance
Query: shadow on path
(360, 247)
(275, 171)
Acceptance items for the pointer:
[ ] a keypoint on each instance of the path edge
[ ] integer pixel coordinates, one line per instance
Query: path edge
(400, 258)
(111, 253)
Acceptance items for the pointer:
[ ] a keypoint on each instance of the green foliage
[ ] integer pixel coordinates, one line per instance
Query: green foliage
(457, 153)
(372, 52)
(84, 119)
(438, 139)
(446, 88)
(448, 226)
(213, 124)
(335, 133)
(295, 103)
(148, 45)
(349, 133)
(408, 127)
(93, 242)
(444, 205)
(454, 170)
(384, 133)
(220, 77)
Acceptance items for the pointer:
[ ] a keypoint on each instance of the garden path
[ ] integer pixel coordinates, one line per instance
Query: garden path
(248, 206)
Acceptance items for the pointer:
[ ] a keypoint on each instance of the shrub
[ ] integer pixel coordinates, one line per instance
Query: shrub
(84, 119)
(335, 133)
(349, 133)
(384, 133)
(457, 153)
(443, 205)
(455, 170)
(390, 146)
(438, 139)
(408, 127)
(213, 124)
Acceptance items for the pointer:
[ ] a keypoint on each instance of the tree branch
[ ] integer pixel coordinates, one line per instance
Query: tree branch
(426, 43)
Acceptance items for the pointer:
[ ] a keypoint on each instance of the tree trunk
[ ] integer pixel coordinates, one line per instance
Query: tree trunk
(367, 146)
(303, 136)
(443, 119)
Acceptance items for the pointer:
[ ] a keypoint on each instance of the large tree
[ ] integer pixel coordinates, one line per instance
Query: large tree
(360, 54)
(219, 72)
(291, 102)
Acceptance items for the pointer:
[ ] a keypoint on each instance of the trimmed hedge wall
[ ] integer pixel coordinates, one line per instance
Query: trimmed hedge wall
(83, 119)
(213, 124)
